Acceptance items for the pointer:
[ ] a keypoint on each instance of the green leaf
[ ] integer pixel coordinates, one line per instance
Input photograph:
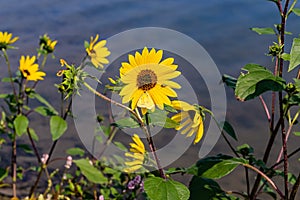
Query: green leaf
(296, 11)
(297, 133)
(26, 148)
(43, 101)
(294, 54)
(57, 127)
(286, 56)
(223, 168)
(120, 146)
(207, 189)
(228, 129)
(159, 118)
(264, 31)
(45, 111)
(75, 151)
(229, 81)
(34, 136)
(257, 81)
(205, 164)
(126, 123)
(21, 123)
(157, 189)
(3, 174)
(90, 172)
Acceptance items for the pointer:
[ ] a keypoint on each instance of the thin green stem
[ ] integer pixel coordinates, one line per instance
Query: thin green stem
(9, 72)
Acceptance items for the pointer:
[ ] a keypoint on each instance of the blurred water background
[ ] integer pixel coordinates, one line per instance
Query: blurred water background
(220, 26)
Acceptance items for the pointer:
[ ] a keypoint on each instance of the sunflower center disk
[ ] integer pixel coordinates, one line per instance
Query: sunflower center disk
(146, 80)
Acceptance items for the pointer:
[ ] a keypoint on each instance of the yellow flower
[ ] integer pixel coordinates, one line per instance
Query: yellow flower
(190, 120)
(6, 39)
(98, 52)
(29, 69)
(147, 80)
(47, 45)
(138, 154)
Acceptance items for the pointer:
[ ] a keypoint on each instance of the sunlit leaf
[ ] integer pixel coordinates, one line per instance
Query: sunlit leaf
(75, 151)
(126, 123)
(157, 189)
(296, 11)
(21, 123)
(294, 54)
(223, 168)
(264, 31)
(58, 126)
(256, 81)
(90, 172)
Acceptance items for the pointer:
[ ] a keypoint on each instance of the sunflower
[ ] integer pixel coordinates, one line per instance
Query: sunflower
(189, 119)
(6, 39)
(138, 152)
(98, 52)
(47, 44)
(29, 69)
(147, 80)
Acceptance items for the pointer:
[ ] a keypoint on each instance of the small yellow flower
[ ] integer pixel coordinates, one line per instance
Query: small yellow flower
(98, 52)
(189, 119)
(47, 45)
(147, 80)
(6, 40)
(138, 154)
(29, 69)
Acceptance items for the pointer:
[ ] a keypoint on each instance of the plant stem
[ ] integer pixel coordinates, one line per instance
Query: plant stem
(9, 72)
(265, 177)
(14, 165)
(281, 112)
(153, 149)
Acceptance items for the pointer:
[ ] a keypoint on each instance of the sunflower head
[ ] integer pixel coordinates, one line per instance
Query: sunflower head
(6, 40)
(30, 69)
(46, 44)
(137, 155)
(147, 80)
(97, 51)
(189, 119)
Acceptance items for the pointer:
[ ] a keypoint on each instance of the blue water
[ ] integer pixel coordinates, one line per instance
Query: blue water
(221, 26)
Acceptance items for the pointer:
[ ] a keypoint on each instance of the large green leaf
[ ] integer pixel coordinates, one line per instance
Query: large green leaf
(157, 189)
(90, 172)
(294, 54)
(57, 127)
(264, 31)
(21, 123)
(257, 81)
(223, 168)
(207, 189)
